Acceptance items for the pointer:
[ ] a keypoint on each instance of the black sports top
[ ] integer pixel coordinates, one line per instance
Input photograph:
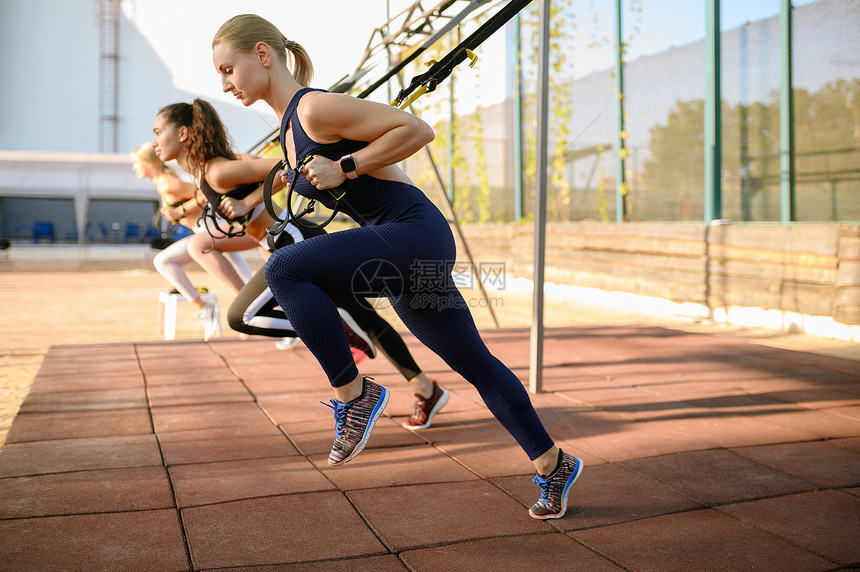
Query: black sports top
(214, 197)
(369, 200)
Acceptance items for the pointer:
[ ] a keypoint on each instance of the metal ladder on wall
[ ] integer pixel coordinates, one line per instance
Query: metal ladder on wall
(107, 19)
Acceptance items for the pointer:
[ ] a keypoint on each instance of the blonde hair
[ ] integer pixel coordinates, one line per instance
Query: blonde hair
(146, 154)
(242, 33)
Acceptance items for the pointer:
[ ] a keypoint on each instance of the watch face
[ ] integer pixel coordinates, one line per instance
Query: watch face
(347, 165)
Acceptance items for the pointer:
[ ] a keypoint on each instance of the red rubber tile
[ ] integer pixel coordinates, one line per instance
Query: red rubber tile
(86, 381)
(79, 424)
(264, 381)
(224, 444)
(61, 367)
(534, 552)
(114, 541)
(714, 429)
(603, 394)
(717, 476)
(20, 459)
(850, 443)
(394, 511)
(813, 396)
(392, 467)
(211, 483)
(276, 530)
(155, 350)
(490, 460)
(475, 425)
(387, 563)
(105, 399)
(699, 391)
(298, 406)
(614, 438)
(824, 522)
(851, 412)
(112, 490)
(820, 424)
(181, 376)
(820, 462)
(91, 351)
(198, 393)
(316, 437)
(185, 362)
(701, 540)
(187, 417)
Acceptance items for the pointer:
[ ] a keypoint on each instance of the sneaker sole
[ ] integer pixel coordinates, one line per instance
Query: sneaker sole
(439, 405)
(377, 411)
(567, 486)
(209, 332)
(352, 325)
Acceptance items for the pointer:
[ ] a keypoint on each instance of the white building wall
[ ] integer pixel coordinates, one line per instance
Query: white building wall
(51, 59)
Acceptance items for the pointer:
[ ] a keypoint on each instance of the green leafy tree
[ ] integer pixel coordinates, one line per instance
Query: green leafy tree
(827, 154)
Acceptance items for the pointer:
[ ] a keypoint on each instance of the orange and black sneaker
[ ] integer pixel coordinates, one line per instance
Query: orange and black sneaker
(354, 421)
(555, 488)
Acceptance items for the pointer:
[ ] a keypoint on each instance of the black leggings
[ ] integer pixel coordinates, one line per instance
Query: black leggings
(255, 311)
(408, 259)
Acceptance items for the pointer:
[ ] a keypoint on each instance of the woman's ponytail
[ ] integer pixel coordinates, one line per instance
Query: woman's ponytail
(303, 68)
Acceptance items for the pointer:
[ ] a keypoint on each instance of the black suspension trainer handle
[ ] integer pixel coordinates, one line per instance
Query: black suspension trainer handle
(280, 223)
(157, 218)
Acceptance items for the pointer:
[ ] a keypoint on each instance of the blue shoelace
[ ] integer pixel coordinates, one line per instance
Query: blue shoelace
(340, 410)
(544, 484)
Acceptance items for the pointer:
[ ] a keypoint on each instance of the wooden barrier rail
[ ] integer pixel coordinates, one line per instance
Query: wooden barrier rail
(812, 269)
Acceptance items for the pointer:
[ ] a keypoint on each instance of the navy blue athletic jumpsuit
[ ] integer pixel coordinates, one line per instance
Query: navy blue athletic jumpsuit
(403, 250)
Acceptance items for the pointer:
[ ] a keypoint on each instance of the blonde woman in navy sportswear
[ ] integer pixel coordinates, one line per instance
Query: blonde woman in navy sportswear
(193, 134)
(400, 229)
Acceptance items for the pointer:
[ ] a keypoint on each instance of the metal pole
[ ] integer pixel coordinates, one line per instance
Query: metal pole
(388, 65)
(787, 207)
(621, 133)
(518, 122)
(713, 143)
(536, 339)
(451, 122)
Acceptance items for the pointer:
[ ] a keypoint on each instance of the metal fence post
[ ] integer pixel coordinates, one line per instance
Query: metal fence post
(713, 115)
(536, 339)
(786, 118)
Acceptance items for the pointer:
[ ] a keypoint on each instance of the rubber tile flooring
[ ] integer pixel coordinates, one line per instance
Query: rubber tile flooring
(701, 451)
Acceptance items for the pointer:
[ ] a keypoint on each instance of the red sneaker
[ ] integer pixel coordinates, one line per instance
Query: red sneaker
(358, 355)
(356, 337)
(426, 408)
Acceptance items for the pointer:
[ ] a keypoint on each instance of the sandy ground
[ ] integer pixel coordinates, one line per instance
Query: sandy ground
(67, 302)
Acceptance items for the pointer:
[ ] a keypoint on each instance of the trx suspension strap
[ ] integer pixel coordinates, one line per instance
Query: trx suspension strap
(428, 81)
(421, 84)
(451, 24)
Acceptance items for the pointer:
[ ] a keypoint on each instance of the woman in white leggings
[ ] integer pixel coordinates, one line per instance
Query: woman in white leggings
(180, 204)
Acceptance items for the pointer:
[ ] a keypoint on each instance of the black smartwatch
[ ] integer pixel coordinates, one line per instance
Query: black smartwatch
(347, 165)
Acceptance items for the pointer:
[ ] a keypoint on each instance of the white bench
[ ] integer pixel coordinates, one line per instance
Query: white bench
(168, 303)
